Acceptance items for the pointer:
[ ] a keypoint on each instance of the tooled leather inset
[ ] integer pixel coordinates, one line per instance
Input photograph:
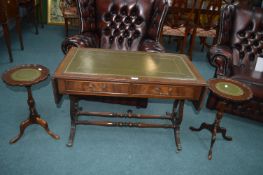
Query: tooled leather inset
(87, 15)
(123, 25)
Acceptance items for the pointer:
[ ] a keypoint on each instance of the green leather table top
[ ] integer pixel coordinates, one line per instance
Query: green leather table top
(134, 64)
(26, 74)
(229, 88)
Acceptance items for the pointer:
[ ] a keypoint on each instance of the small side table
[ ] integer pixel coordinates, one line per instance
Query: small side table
(226, 90)
(28, 75)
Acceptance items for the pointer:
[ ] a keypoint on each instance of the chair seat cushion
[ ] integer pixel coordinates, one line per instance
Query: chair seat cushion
(201, 32)
(251, 78)
(70, 11)
(167, 30)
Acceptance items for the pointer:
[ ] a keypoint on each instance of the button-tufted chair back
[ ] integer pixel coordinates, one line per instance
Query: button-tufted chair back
(120, 24)
(244, 32)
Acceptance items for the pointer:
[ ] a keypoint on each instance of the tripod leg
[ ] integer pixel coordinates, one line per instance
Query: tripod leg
(202, 126)
(23, 126)
(223, 131)
(44, 124)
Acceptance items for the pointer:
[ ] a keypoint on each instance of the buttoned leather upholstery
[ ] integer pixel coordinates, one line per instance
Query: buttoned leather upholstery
(120, 25)
(239, 44)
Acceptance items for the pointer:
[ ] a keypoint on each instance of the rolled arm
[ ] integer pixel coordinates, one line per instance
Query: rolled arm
(86, 41)
(221, 58)
(151, 46)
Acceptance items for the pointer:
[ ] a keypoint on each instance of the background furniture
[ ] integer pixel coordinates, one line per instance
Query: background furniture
(226, 90)
(127, 74)
(235, 55)
(180, 22)
(208, 22)
(9, 11)
(34, 11)
(28, 75)
(120, 25)
(70, 14)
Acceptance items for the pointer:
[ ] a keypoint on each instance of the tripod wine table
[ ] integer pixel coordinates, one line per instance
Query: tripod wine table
(226, 90)
(28, 75)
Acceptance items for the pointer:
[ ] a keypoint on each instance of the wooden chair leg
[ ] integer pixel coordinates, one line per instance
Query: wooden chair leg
(35, 19)
(66, 27)
(183, 45)
(203, 43)
(192, 42)
(40, 11)
(18, 30)
(7, 40)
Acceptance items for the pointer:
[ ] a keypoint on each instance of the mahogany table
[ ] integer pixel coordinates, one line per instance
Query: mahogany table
(226, 90)
(85, 73)
(28, 75)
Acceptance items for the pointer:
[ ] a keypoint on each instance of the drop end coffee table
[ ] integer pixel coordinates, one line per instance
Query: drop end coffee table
(28, 75)
(226, 90)
(89, 73)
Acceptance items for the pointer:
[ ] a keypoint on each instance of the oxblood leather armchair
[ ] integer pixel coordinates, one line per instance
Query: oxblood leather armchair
(239, 44)
(120, 25)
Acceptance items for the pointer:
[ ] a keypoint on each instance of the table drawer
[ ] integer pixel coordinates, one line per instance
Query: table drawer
(96, 87)
(164, 91)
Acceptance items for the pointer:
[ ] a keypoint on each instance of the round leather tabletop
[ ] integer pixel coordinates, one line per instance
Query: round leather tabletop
(230, 89)
(25, 75)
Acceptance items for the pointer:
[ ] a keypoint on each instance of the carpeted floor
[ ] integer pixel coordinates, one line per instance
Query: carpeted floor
(106, 150)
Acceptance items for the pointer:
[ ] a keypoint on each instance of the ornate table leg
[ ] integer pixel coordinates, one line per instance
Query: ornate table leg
(215, 127)
(34, 118)
(73, 117)
(177, 118)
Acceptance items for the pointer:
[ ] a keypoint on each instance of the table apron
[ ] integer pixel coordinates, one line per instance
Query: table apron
(147, 90)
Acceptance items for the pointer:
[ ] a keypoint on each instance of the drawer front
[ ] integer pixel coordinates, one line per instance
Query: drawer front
(96, 87)
(166, 91)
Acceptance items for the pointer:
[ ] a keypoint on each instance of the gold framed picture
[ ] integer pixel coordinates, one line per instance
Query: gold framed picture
(54, 14)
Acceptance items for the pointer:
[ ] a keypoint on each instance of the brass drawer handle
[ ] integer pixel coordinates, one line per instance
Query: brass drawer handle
(91, 87)
(158, 90)
(104, 87)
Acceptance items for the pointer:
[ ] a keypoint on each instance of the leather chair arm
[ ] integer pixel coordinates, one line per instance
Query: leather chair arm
(225, 24)
(155, 27)
(86, 41)
(221, 58)
(149, 45)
